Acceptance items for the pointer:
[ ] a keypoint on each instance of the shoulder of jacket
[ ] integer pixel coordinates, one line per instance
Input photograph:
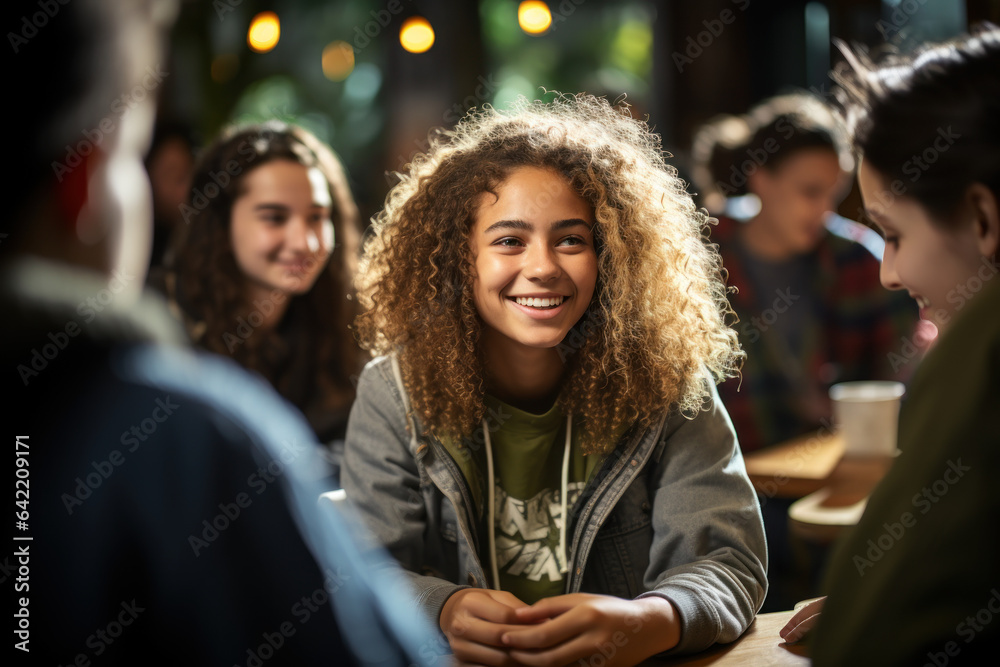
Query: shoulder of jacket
(383, 379)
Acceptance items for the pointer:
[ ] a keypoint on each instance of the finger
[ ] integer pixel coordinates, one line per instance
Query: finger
(797, 617)
(507, 599)
(801, 630)
(474, 653)
(545, 609)
(545, 634)
(792, 623)
(811, 602)
(561, 654)
(801, 614)
(482, 632)
(488, 609)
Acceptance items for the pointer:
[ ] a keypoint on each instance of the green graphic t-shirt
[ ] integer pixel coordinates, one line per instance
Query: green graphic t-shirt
(528, 454)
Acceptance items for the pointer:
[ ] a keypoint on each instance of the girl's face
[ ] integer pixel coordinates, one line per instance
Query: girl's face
(940, 268)
(535, 262)
(796, 196)
(280, 227)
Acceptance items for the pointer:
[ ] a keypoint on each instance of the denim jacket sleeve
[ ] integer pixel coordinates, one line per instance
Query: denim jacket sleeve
(709, 556)
(383, 482)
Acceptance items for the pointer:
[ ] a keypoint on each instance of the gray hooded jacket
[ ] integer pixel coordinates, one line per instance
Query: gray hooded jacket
(670, 512)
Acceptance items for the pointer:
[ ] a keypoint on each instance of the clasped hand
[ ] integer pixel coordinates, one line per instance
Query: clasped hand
(486, 627)
(803, 621)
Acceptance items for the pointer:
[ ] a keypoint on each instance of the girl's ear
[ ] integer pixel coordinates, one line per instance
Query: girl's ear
(986, 218)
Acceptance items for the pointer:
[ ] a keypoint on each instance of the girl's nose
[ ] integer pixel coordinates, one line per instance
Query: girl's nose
(887, 272)
(301, 237)
(541, 265)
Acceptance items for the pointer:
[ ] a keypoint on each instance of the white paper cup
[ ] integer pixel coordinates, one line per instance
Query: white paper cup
(866, 413)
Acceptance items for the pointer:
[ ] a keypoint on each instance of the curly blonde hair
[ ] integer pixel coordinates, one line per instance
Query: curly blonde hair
(657, 320)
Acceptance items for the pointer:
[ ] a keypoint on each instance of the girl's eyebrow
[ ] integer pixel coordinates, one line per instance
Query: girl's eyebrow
(521, 225)
(269, 206)
(873, 215)
(879, 221)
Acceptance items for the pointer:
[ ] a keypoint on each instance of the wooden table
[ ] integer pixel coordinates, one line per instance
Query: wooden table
(760, 646)
(824, 514)
(796, 468)
(830, 489)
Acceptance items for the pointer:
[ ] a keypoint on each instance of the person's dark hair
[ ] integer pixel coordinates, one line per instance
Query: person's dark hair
(167, 130)
(728, 149)
(60, 97)
(313, 351)
(715, 152)
(929, 120)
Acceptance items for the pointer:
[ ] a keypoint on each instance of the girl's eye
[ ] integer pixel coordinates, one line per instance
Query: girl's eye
(507, 242)
(891, 239)
(572, 240)
(273, 219)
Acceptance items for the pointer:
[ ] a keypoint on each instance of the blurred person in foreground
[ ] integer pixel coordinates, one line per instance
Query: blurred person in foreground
(166, 501)
(917, 581)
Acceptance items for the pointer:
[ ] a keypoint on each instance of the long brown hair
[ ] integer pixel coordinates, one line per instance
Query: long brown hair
(312, 353)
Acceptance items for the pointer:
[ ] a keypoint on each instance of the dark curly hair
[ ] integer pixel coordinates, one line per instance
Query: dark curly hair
(312, 352)
(657, 318)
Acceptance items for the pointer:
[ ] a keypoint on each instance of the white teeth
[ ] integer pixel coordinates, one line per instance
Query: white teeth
(534, 302)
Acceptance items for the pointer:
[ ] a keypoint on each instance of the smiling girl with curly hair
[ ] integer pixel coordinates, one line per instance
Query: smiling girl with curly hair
(543, 420)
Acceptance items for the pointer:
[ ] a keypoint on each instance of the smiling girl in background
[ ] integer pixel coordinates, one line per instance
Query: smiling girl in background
(916, 581)
(543, 447)
(263, 271)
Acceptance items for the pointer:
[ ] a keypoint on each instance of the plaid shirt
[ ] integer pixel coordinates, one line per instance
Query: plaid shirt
(863, 332)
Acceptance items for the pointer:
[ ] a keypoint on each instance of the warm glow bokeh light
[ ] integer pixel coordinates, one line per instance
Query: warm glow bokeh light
(264, 32)
(338, 61)
(416, 35)
(534, 17)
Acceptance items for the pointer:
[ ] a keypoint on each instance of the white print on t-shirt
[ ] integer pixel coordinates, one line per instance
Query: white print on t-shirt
(527, 537)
